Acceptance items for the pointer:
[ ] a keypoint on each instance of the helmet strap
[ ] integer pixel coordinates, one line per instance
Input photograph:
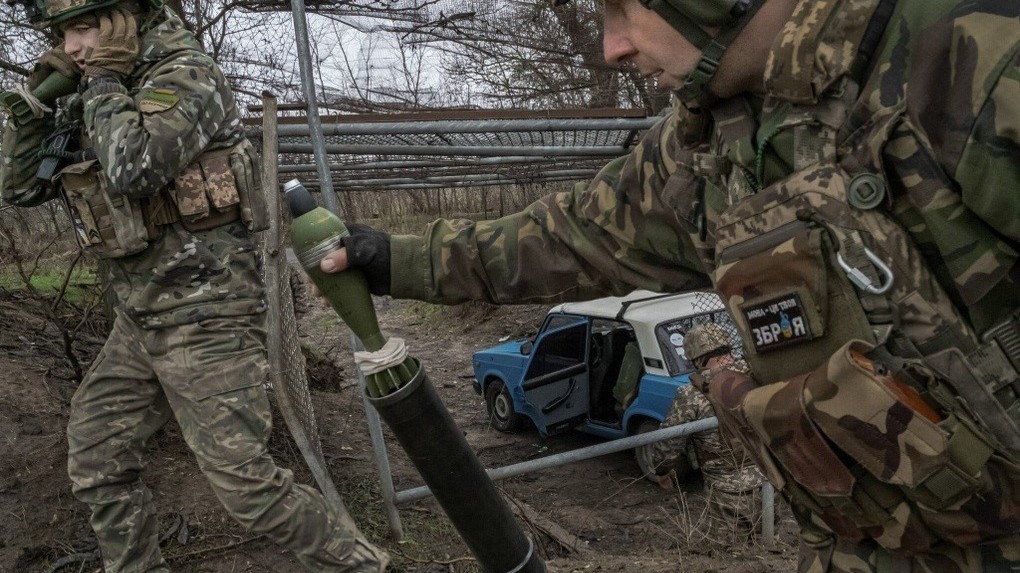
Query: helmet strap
(695, 90)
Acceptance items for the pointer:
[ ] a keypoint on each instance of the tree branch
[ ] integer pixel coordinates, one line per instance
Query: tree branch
(14, 68)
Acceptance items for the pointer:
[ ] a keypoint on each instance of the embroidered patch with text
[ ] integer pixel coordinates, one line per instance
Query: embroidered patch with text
(777, 322)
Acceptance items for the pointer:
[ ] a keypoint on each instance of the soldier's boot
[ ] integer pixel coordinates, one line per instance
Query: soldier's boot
(343, 555)
(367, 558)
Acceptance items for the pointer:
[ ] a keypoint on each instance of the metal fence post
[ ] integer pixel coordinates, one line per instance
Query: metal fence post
(768, 514)
(308, 88)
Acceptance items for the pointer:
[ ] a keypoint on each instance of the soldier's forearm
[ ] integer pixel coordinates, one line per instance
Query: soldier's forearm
(144, 141)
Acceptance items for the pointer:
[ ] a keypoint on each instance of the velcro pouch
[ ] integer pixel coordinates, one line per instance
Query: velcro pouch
(727, 391)
(885, 425)
(783, 292)
(206, 192)
(742, 405)
(777, 414)
(220, 183)
(776, 423)
(189, 194)
(246, 166)
(105, 226)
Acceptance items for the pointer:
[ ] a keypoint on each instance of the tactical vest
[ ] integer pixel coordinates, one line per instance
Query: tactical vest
(874, 405)
(218, 188)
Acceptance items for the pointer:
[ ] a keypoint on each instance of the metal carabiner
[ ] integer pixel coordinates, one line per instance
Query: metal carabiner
(861, 280)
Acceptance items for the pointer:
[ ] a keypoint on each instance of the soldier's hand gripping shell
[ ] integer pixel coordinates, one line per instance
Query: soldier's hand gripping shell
(369, 250)
(52, 60)
(117, 49)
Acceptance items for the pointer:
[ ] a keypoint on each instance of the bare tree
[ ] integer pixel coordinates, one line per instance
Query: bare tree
(498, 53)
(516, 54)
(20, 45)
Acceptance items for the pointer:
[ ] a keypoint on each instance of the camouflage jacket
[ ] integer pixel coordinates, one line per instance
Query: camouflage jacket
(758, 192)
(722, 467)
(175, 105)
(951, 70)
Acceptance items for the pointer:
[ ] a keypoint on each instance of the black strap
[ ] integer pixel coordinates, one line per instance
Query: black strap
(871, 39)
(696, 89)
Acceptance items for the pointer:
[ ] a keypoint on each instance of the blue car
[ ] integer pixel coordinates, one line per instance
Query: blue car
(609, 367)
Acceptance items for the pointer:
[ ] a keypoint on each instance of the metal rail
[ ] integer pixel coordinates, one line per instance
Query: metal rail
(473, 126)
(382, 461)
(454, 150)
(410, 164)
(494, 178)
(768, 493)
(579, 454)
(313, 185)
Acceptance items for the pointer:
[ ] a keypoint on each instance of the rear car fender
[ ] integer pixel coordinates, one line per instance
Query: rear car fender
(633, 417)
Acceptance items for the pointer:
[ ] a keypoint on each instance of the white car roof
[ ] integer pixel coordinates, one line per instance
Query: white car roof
(657, 308)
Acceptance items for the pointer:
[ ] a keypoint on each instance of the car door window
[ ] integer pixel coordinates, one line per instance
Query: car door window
(556, 321)
(558, 350)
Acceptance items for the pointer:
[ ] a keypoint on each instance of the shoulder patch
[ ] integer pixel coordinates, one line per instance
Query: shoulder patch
(158, 100)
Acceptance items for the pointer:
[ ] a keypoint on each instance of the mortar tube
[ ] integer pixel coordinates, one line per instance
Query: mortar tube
(436, 446)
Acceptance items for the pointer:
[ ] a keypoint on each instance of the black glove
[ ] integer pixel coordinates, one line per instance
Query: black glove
(369, 250)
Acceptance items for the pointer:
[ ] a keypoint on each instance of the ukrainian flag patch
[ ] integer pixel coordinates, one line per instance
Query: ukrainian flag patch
(155, 100)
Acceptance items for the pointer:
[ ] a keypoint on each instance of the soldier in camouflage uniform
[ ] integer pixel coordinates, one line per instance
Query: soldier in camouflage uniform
(845, 174)
(732, 483)
(165, 187)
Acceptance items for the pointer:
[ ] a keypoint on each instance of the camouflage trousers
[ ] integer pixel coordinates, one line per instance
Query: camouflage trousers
(210, 377)
(734, 518)
(833, 555)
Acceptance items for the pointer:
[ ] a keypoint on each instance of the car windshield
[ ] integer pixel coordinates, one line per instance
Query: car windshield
(670, 335)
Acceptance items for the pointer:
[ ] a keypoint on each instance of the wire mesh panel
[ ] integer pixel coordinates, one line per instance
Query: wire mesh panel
(288, 377)
(424, 151)
(710, 308)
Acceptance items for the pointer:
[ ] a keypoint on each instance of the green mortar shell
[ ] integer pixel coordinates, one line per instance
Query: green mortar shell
(346, 291)
(53, 87)
(56, 85)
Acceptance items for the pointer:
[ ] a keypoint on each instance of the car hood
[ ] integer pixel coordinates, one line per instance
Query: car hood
(512, 348)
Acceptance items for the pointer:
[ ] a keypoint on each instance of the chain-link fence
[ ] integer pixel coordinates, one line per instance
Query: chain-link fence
(288, 376)
(709, 307)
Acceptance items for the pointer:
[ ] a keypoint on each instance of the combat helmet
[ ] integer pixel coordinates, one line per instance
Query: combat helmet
(693, 19)
(705, 339)
(43, 14)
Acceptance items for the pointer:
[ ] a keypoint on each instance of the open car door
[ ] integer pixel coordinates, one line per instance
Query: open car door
(556, 382)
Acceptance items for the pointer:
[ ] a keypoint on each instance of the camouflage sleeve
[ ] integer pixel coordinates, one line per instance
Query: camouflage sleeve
(619, 233)
(144, 141)
(684, 409)
(989, 168)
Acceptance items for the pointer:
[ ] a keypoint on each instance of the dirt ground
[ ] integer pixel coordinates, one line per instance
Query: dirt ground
(615, 521)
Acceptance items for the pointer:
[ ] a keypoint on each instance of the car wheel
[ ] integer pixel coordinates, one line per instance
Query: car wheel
(501, 407)
(645, 456)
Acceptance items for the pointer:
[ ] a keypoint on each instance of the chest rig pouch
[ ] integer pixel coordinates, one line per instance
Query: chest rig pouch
(220, 187)
(216, 189)
(875, 449)
(105, 226)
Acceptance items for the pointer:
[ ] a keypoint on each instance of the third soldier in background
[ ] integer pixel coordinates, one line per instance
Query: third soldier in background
(732, 482)
(845, 174)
